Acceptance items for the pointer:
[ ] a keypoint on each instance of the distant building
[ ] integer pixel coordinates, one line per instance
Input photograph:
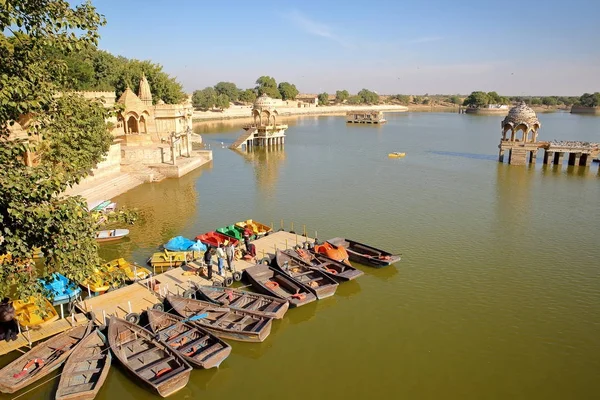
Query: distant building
(307, 100)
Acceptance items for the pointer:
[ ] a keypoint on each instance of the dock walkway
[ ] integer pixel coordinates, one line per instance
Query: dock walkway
(145, 294)
(27, 337)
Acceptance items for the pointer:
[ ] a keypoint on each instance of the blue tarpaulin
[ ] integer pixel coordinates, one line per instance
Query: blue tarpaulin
(179, 243)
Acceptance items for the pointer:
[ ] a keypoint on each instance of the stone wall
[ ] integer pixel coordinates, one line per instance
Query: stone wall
(585, 110)
(146, 155)
(487, 111)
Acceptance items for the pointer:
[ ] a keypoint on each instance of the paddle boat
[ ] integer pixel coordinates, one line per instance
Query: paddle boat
(102, 206)
(61, 289)
(112, 234)
(99, 283)
(170, 259)
(396, 155)
(29, 313)
(133, 271)
(257, 228)
(179, 243)
(214, 239)
(231, 231)
(333, 251)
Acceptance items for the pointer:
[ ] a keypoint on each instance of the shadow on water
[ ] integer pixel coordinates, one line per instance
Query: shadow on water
(348, 289)
(384, 273)
(472, 156)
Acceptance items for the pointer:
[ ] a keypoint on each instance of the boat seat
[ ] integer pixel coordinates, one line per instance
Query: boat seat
(272, 307)
(155, 364)
(208, 350)
(143, 352)
(259, 325)
(193, 343)
(168, 375)
(303, 274)
(91, 358)
(313, 280)
(88, 371)
(181, 336)
(242, 321)
(366, 250)
(221, 318)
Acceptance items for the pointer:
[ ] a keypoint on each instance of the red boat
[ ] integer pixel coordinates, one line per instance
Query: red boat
(214, 239)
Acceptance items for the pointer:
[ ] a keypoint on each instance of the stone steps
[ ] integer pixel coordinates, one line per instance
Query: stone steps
(106, 188)
(243, 137)
(144, 173)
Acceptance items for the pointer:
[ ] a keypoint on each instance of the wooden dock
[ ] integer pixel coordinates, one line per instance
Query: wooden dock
(142, 295)
(28, 337)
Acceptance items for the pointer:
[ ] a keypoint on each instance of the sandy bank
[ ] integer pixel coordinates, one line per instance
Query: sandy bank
(236, 112)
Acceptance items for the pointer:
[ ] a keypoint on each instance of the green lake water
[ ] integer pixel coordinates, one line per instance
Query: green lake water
(498, 292)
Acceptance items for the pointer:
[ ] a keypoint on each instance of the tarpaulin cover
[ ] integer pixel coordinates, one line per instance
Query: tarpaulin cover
(179, 243)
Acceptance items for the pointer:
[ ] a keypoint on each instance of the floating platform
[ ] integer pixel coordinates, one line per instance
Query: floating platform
(28, 337)
(142, 295)
(365, 117)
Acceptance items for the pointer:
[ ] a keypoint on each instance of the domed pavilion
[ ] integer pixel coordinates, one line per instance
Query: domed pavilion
(264, 131)
(519, 135)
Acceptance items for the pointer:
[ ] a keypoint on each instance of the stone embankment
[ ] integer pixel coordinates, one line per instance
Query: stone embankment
(585, 110)
(245, 111)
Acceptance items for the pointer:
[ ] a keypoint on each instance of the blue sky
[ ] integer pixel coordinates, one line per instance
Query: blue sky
(435, 46)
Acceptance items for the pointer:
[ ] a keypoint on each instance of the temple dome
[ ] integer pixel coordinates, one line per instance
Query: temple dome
(521, 114)
(265, 101)
(144, 91)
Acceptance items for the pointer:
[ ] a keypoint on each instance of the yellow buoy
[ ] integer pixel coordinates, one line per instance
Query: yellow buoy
(396, 155)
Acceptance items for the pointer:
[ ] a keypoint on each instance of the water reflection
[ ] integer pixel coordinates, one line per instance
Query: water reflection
(385, 273)
(348, 289)
(266, 162)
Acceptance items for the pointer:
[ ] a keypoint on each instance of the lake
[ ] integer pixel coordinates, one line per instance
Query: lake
(498, 292)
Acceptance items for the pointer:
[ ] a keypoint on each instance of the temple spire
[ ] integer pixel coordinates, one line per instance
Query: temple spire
(144, 92)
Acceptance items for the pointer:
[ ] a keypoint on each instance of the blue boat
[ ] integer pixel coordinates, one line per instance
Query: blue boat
(61, 289)
(179, 243)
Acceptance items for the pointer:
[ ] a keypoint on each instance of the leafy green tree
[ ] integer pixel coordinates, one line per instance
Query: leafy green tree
(33, 172)
(549, 101)
(323, 99)
(161, 84)
(368, 96)
(341, 96)
(477, 99)
(229, 89)
(222, 101)
(494, 98)
(426, 101)
(247, 96)
(268, 85)
(535, 101)
(453, 99)
(590, 100)
(354, 100)
(288, 91)
(205, 98)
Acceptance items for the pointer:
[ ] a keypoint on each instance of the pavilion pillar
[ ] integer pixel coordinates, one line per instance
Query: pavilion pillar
(558, 157)
(586, 160)
(533, 157)
(501, 155)
(574, 158)
(548, 157)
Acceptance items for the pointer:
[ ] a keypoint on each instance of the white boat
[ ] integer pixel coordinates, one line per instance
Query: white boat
(102, 206)
(111, 234)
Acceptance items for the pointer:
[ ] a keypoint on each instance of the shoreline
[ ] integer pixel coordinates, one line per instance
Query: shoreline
(244, 112)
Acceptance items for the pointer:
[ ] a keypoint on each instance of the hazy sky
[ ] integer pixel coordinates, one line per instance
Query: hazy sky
(429, 46)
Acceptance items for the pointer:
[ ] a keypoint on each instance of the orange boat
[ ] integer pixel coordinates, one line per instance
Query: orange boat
(337, 253)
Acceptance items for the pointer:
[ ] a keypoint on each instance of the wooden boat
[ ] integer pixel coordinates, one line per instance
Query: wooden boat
(316, 281)
(29, 314)
(275, 283)
(133, 272)
(252, 303)
(41, 360)
(110, 235)
(337, 253)
(61, 290)
(196, 345)
(151, 361)
(222, 321)
(365, 254)
(231, 231)
(257, 228)
(396, 155)
(334, 269)
(214, 239)
(86, 369)
(166, 259)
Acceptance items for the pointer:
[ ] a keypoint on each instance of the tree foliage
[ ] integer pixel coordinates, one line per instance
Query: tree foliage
(229, 89)
(341, 96)
(74, 136)
(549, 101)
(205, 98)
(222, 101)
(482, 99)
(368, 97)
(268, 85)
(401, 98)
(247, 96)
(453, 99)
(324, 98)
(354, 100)
(288, 91)
(590, 100)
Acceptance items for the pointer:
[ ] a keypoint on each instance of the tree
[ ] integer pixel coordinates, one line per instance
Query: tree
(477, 99)
(341, 96)
(33, 171)
(162, 85)
(205, 98)
(247, 96)
(324, 98)
(368, 96)
(268, 85)
(222, 101)
(453, 99)
(426, 101)
(229, 89)
(494, 98)
(354, 100)
(288, 91)
(535, 101)
(590, 100)
(549, 101)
